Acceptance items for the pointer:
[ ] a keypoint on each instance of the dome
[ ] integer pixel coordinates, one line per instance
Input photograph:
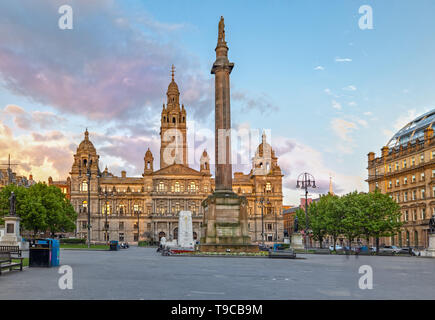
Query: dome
(173, 87)
(86, 144)
(413, 130)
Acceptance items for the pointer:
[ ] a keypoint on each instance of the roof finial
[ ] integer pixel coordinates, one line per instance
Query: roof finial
(221, 34)
(86, 134)
(173, 71)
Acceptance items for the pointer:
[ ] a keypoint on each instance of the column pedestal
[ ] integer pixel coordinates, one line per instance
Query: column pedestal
(430, 251)
(225, 226)
(12, 232)
(297, 241)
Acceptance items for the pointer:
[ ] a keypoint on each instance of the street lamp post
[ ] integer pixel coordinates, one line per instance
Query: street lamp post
(306, 180)
(106, 238)
(88, 173)
(262, 202)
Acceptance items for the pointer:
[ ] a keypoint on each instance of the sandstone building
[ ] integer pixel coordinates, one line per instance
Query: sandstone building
(146, 208)
(406, 171)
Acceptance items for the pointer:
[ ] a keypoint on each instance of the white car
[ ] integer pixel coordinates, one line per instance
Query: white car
(337, 247)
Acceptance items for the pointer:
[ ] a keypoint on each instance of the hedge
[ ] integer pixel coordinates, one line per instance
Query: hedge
(72, 240)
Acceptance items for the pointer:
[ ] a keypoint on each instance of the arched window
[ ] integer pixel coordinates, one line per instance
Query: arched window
(164, 119)
(177, 186)
(84, 186)
(268, 187)
(192, 186)
(85, 206)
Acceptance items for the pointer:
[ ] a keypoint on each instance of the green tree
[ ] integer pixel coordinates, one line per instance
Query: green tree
(380, 217)
(351, 222)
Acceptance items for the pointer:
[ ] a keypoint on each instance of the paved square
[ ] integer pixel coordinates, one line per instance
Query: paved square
(141, 273)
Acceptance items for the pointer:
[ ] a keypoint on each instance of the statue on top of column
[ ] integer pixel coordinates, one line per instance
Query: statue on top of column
(221, 35)
(12, 204)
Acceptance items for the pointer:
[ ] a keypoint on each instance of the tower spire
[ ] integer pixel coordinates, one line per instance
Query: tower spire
(173, 72)
(331, 191)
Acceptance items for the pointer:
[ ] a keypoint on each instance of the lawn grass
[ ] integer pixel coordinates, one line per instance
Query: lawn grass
(84, 246)
(25, 261)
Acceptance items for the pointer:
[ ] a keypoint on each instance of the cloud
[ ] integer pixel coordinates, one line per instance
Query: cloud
(249, 102)
(336, 105)
(368, 113)
(343, 128)
(343, 59)
(319, 68)
(32, 120)
(352, 104)
(108, 67)
(350, 88)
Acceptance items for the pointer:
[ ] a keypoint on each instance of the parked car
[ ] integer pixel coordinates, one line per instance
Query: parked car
(406, 250)
(388, 249)
(337, 247)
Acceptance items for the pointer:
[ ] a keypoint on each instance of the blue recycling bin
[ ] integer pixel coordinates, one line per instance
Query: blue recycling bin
(114, 245)
(55, 252)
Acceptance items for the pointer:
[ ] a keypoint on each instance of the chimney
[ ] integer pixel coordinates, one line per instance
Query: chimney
(385, 151)
(123, 174)
(371, 156)
(428, 134)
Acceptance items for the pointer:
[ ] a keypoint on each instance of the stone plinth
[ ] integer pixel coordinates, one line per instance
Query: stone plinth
(297, 242)
(185, 230)
(225, 224)
(430, 251)
(12, 232)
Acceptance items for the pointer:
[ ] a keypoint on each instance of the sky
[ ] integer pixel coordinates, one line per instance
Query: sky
(326, 91)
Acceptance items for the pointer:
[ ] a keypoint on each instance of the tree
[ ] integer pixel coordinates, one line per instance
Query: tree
(40, 208)
(351, 216)
(381, 216)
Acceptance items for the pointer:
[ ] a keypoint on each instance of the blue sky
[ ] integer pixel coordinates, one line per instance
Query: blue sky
(328, 91)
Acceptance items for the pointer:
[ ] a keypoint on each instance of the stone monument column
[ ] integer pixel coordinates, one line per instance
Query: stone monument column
(12, 226)
(222, 69)
(225, 222)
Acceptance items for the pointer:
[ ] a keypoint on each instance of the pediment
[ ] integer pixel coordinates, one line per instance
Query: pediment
(177, 169)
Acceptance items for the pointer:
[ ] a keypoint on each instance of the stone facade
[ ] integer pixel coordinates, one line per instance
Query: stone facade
(407, 174)
(147, 207)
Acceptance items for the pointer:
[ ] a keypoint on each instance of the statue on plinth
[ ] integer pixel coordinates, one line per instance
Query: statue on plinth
(296, 225)
(12, 204)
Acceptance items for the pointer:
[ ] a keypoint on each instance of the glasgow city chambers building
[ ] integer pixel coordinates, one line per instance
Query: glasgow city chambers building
(146, 208)
(406, 171)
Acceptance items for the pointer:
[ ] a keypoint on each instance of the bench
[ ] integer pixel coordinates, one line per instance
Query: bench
(282, 254)
(11, 249)
(7, 263)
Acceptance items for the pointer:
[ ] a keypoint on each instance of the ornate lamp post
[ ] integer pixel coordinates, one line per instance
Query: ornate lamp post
(105, 205)
(305, 181)
(262, 202)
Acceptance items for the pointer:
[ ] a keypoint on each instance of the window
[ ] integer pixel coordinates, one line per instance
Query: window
(121, 209)
(268, 187)
(121, 226)
(397, 197)
(433, 173)
(414, 195)
(205, 188)
(413, 178)
(84, 186)
(177, 187)
(136, 208)
(414, 216)
(121, 237)
(390, 184)
(389, 168)
(406, 215)
(104, 208)
(397, 166)
(161, 186)
(192, 187)
(422, 157)
(135, 226)
(405, 180)
(422, 177)
(405, 196)
(423, 213)
(422, 193)
(413, 161)
(85, 206)
(404, 164)
(397, 182)
(377, 185)
(177, 207)
(433, 154)
(84, 225)
(269, 226)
